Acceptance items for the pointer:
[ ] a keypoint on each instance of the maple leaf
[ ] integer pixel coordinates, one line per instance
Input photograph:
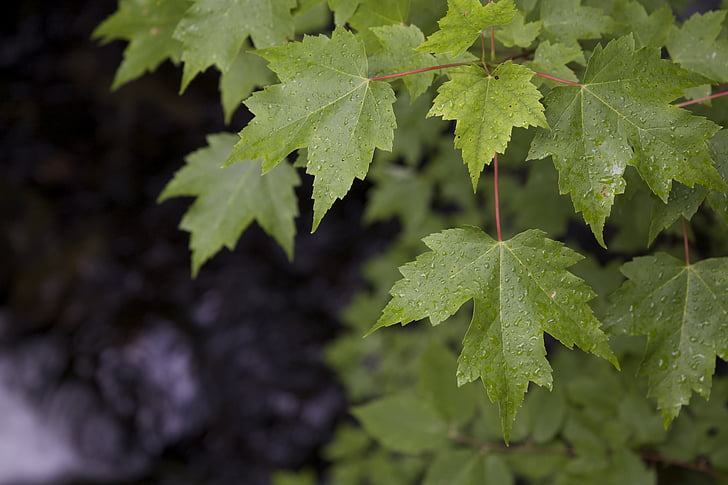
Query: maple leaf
(683, 311)
(683, 202)
(648, 29)
(521, 289)
(343, 10)
(696, 46)
(245, 73)
(311, 16)
(518, 32)
(620, 116)
(464, 23)
(565, 21)
(325, 102)
(718, 200)
(213, 31)
(148, 25)
(398, 54)
(372, 13)
(486, 108)
(230, 198)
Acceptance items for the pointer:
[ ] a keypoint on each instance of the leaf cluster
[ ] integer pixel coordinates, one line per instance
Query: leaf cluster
(580, 124)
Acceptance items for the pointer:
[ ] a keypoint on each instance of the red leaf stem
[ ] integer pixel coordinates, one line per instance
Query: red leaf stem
(497, 197)
(558, 79)
(685, 242)
(415, 71)
(693, 101)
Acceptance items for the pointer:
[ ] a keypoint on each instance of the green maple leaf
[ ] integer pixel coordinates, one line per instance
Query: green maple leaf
(311, 16)
(648, 29)
(213, 31)
(325, 102)
(148, 26)
(343, 9)
(230, 198)
(718, 200)
(683, 202)
(521, 289)
(398, 54)
(246, 72)
(372, 13)
(486, 108)
(464, 23)
(518, 32)
(683, 311)
(565, 21)
(620, 116)
(696, 46)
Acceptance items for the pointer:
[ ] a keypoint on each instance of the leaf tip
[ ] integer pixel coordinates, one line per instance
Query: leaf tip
(474, 178)
(316, 222)
(288, 249)
(189, 72)
(321, 205)
(163, 195)
(195, 268)
(118, 81)
(614, 361)
(669, 414)
(597, 228)
(506, 426)
(379, 324)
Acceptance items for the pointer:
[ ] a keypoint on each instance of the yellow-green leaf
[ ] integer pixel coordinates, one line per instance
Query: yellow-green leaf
(487, 107)
(464, 23)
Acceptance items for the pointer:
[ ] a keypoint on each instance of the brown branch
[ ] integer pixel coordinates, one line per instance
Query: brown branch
(526, 446)
(700, 465)
(649, 456)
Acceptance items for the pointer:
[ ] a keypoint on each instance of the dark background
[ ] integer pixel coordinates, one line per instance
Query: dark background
(147, 375)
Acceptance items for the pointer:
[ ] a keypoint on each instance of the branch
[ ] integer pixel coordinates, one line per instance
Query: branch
(699, 465)
(526, 446)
